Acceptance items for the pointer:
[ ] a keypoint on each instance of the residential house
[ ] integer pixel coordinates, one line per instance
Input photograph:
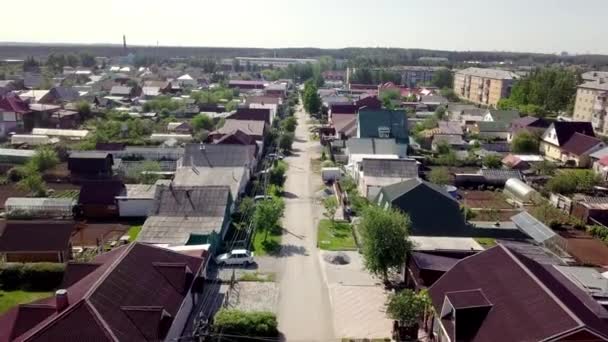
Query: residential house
(62, 95)
(179, 127)
(255, 129)
(483, 86)
(163, 86)
(431, 209)
(506, 116)
(135, 292)
(521, 162)
(246, 85)
(274, 104)
(370, 102)
(234, 177)
(137, 200)
(255, 114)
(535, 126)
(358, 149)
(452, 140)
(186, 81)
(35, 241)
(238, 137)
(150, 92)
(345, 125)
(125, 92)
(12, 112)
(590, 210)
(492, 130)
(376, 173)
(276, 90)
(97, 199)
(90, 165)
(411, 76)
(432, 102)
(188, 215)
(570, 141)
(382, 123)
(469, 306)
(222, 155)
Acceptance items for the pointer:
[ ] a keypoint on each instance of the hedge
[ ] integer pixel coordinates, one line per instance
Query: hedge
(43, 276)
(252, 324)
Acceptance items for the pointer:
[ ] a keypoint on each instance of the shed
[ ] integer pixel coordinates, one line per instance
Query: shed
(90, 164)
(539, 232)
(15, 156)
(51, 242)
(138, 200)
(42, 207)
(518, 190)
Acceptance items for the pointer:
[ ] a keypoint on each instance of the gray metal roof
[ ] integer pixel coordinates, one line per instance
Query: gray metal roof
(533, 227)
(402, 168)
(218, 155)
(203, 176)
(371, 146)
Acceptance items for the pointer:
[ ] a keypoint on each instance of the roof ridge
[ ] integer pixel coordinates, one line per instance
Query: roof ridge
(542, 285)
(109, 270)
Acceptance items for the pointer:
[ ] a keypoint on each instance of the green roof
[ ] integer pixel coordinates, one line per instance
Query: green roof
(371, 122)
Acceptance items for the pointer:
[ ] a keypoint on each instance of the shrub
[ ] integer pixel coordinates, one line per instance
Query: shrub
(277, 173)
(15, 174)
(250, 324)
(285, 141)
(42, 276)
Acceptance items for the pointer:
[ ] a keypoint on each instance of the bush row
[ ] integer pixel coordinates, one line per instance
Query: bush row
(43, 276)
(252, 324)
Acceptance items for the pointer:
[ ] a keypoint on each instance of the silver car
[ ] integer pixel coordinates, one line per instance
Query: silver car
(235, 257)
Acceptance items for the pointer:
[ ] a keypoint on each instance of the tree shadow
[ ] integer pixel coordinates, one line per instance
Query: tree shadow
(291, 250)
(289, 195)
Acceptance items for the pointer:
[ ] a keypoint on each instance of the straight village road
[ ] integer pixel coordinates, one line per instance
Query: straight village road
(304, 310)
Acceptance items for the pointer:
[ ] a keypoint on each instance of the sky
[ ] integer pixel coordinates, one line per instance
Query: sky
(549, 26)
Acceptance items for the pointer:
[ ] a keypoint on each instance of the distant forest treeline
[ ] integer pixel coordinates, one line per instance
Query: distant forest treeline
(356, 56)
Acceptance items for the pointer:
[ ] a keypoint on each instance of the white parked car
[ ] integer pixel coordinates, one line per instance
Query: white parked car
(235, 257)
(259, 198)
(278, 156)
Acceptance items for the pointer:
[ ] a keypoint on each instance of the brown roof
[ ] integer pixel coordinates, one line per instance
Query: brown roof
(345, 123)
(259, 114)
(343, 109)
(35, 236)
(133, 295)
(237, 137)
(527, 301)
(566, 129)
(249, 127)
(263, 100)
(101, 192)
(579, 143)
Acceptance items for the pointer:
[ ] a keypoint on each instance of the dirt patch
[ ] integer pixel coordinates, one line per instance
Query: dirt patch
(484, 199)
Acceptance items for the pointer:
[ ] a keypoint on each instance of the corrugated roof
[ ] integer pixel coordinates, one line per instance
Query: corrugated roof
(211, 155)
(533, 227)
(400, 168)
(35, 236)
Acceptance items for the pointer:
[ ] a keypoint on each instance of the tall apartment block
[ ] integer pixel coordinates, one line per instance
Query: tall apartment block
(592, 103)
(483, 86)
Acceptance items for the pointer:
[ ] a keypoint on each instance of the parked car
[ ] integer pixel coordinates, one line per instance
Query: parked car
(235, 257)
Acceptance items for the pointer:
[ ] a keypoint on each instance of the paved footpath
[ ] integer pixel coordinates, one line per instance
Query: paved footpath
(304, 310)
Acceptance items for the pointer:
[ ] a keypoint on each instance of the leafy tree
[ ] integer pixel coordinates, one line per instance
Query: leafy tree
(31, 64)
(144, 173)
(449, 94)
(33, 183)
(385, 239)
(251, 324)
(331, 207)
(407, 307)
(362, 76)
(87, 60)
(289, 124)
(568, 182)
(545, 168)
(310, 98)
(440, 113)
(83, 108)
(286, 141)
(202, 122)
(267, 215)
(443, 78)
(440, 176)
(72, 60)
(525, 142)
(277, 173)
(45, 158)
(492, 161)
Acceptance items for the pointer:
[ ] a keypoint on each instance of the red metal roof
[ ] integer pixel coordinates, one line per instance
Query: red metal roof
(12, 103)
(119, 300)
(50, 236)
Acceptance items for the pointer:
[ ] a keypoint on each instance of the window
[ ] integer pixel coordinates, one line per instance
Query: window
(384, 132)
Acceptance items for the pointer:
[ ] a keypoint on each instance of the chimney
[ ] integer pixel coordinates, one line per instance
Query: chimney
(61, 299)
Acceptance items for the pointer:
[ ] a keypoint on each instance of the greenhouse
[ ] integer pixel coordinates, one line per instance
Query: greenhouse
(165, 137)
(62, 133)
(38, 207)
(14, 156)
(519, 191)
(33, 140)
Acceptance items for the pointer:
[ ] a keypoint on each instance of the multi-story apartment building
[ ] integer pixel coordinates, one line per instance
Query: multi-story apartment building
(590, 76)
(592, 104)
(483, 86)
(412, 76)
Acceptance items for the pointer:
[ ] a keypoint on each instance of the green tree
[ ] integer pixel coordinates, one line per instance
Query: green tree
(45, 158)
(440, 113)
(310, 98)
(440, 176)
(83, 108)
(202, 122)
(87, 60)
(443, 78)
(384, 239)
(277, 173)
(545, 168)
(146, 172)
(33, 183)
(525, 142)
(548, 89)
(449, 94)
(331, 207)
(289, 124)
(72, 60)
(286, 141)
(568, 182)
(407, 307)
(267, 215)
(492, 161)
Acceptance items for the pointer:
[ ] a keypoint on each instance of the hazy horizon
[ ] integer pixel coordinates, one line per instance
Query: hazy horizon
(468, 25)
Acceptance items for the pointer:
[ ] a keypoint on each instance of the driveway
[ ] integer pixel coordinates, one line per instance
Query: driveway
(304, 309)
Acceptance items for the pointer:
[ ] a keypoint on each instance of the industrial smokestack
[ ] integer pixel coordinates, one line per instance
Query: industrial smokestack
(124, 43)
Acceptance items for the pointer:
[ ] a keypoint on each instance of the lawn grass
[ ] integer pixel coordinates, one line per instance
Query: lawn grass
(9, 299)
(486, 242)
(267, 245)
(133, 233)
(336, 237)
(258, 277)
